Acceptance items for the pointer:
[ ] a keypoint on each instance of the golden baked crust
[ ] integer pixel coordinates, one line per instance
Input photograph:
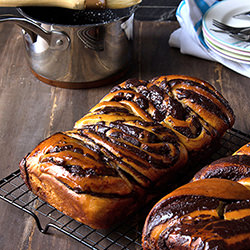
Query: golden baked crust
(133, 142)
(205, 214)
(190, 107)
(235, 167)
(213, 209)
(202, 111)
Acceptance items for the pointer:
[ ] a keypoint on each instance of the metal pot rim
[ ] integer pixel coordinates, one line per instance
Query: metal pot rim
(128, 12)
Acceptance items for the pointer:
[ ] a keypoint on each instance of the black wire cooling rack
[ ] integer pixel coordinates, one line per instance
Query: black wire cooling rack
(127, 235)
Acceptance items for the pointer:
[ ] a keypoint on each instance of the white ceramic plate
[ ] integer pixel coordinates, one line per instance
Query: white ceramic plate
(224, 12)
(228, 55)
(229, 49)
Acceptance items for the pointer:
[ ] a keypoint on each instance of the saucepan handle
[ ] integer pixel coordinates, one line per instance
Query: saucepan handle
(55, 39)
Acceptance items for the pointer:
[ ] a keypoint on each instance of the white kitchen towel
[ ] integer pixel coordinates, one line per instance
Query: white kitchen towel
(189, 36)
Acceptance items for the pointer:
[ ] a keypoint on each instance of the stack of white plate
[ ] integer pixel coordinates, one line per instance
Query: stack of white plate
(220, 42)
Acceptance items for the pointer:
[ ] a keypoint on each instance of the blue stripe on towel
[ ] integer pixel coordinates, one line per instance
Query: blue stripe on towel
(198, 25)
(201, 38)
(202, 5)
(179, 8)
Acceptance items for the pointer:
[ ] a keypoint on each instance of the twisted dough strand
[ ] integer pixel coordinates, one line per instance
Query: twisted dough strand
(210, 212)
(133, 142)
(205, 214)
(235, 167)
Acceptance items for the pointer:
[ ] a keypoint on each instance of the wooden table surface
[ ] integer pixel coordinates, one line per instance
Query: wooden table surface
(31, 110)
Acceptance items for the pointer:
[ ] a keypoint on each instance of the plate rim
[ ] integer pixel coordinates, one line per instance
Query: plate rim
(219, 40)
(232, 50)
(226, 56)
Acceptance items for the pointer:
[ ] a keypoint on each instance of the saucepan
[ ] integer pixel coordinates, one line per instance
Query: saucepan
(76, 48)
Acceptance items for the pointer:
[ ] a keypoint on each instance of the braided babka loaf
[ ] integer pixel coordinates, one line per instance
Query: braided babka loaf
(133, 142)
(235, 167)
(210, 212)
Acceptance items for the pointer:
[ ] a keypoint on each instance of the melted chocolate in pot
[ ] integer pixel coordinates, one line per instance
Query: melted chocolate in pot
(63, 16)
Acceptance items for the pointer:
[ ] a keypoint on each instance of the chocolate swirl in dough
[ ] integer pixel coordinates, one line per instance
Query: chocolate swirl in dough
(132, 143)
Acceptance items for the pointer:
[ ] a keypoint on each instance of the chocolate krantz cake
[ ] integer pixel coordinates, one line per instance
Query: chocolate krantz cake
(235, 167)
(131, 144)
(193, 109)
(205, 214)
